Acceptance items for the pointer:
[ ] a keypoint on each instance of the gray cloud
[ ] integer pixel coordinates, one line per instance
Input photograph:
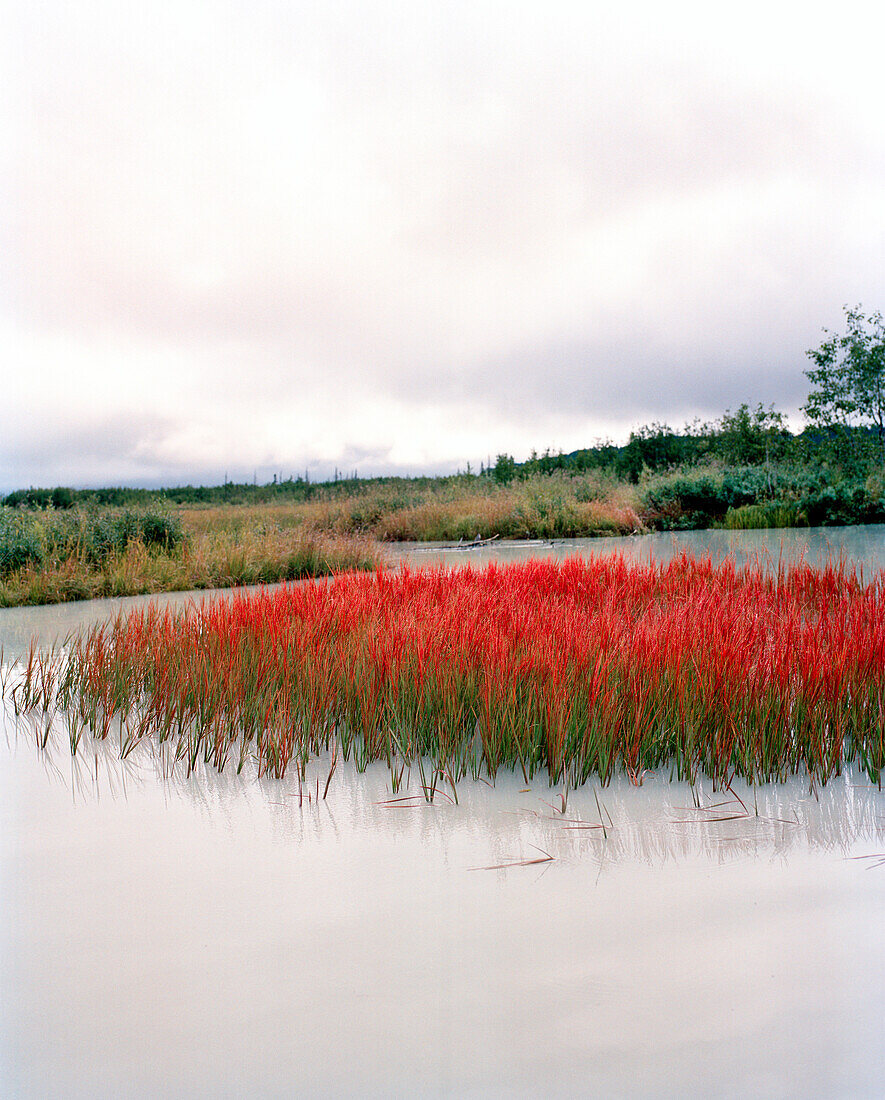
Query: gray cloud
(389, 235)
(81, 453)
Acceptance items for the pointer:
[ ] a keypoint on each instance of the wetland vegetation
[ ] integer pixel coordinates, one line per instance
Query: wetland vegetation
(744, 470)
(50, 556)
(80, 544)
(571, 668)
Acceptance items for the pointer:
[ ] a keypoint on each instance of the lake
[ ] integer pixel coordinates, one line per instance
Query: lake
(228, 936)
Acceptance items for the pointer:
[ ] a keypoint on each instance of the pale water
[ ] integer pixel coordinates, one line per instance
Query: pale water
(226, 936)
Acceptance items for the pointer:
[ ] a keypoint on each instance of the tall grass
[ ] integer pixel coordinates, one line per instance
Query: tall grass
(47, 538)
(574, 668)
(755, 516)
(216, 557)
(551, 506)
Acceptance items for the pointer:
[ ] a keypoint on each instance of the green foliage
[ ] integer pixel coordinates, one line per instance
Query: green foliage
(653, 447)
(750, 437)
(699, 498)
(504, 469)
(20, 541)
(842, 504)
(100, 533)
(749, 497)
(32, 538)
(849, 380)
(58, 498)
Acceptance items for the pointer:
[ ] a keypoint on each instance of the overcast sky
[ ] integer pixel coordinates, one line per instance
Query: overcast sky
(253, 237)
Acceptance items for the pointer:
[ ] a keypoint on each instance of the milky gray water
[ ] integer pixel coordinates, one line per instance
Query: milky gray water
(229, 936)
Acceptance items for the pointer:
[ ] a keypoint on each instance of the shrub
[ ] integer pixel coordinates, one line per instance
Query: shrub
(20, 540)
(840, 505)
(691, 500)
(704, 497)
(92, 535)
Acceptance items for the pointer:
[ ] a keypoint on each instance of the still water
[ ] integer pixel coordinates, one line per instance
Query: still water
(230, 936)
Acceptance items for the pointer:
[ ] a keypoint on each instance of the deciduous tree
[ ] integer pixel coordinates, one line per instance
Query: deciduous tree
(849, 382)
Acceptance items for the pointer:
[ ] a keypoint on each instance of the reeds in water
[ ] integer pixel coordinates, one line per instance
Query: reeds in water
(577, 668)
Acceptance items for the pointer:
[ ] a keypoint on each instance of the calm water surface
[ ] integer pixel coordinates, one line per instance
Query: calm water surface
(227, 936)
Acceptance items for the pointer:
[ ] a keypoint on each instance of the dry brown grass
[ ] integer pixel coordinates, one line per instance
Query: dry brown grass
(234, 518)
(541, 507)
(214, 558)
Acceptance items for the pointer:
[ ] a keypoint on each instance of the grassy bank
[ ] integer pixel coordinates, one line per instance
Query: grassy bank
(54, 554)
(542, 506)
(55, 557)
(570, 504)
(574, 668)
(442, 509)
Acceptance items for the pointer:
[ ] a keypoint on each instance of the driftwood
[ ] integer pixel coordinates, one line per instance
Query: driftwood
(459, 545)
(478, 543)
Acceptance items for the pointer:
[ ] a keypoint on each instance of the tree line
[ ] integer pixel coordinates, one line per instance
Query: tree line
(845, 434)
(845, 411)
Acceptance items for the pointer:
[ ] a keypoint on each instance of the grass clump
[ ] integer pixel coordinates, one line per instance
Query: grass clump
(768, 515)
(57, 557)
(575, 668)
(541, 506)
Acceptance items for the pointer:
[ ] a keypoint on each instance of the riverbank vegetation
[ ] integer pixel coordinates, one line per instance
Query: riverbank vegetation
(49, 556)
(746, 469)
(576, 669)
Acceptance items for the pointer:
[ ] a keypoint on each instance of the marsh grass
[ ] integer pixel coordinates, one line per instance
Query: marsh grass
(89, 535)
(548, 506)
(768, 515)
(213, 558)
(572, 668)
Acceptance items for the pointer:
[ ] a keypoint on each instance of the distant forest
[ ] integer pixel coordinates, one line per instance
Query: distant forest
(839, 457)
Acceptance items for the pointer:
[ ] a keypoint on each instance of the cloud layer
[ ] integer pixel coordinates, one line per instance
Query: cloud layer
(269, 236)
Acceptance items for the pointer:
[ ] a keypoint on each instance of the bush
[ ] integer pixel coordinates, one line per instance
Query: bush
(840, 505)
(696, 499)
(161, 528)
(751, 498)
(92, 535)
(709, 497)
(20, 540)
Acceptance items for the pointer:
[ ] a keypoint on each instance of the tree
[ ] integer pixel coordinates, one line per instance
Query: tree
(504, 469)
(849, 381)
(750, 437)
(655, 446)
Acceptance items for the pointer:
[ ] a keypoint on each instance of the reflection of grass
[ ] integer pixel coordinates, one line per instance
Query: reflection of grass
(212, 558)
(570, 668)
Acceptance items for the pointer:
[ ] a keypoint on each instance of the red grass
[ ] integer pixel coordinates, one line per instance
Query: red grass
(579, 668)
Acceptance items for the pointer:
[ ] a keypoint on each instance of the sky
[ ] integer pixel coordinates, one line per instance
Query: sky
(239, 239)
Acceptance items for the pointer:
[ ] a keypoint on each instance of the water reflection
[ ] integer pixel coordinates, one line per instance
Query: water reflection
(662, 821)
(865, 546)
(229, 935)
